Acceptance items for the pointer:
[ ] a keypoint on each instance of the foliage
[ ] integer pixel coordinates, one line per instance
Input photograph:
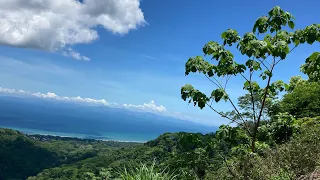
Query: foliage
(311, 67)
(20, 154)
(293, 159)
(263, 56)
(280, 129)
(303, 100)
(224, 154)
(29, 155)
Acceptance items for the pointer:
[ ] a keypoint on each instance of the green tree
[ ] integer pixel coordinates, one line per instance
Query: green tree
(303, 100)
(311, 67)
(281, 128)
(191, 154)
(263, 55)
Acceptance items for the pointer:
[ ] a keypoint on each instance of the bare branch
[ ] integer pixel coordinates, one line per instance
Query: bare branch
(244, 77)
(288, 53)
(277, 61)
(227, 80)
(293, 49)
(236, 109)
(216, 83)
(222, 115)
(211, 102)
(262, 62)
(252, 99)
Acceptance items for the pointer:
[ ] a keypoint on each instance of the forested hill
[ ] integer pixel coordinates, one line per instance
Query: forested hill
(57, 157)
(284, 151)
(23, 155)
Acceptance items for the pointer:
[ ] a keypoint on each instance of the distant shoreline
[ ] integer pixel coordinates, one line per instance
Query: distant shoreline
(34, 132)
(74, 138)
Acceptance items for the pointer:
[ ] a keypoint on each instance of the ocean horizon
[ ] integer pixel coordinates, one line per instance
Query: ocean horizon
(37, 116)
(29, 131)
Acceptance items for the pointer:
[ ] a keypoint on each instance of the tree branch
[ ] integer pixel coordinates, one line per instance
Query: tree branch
(293, 48)
(227, 80)
(287, 54)
(236, 109)
(239, 114)
(252, 99)
(261, 61)
(244, 77)
(216, 83)
(262, 107)
(222, 115)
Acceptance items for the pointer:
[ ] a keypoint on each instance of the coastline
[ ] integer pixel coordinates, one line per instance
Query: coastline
(34, 132)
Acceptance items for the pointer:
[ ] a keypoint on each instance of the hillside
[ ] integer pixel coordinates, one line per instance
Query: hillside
(188, 155)
(23, 155)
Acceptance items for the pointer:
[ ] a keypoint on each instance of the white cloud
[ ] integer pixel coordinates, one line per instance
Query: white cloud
(5, 90)
(147, 106)
(75, 55)
(54, 25)
(51, 95)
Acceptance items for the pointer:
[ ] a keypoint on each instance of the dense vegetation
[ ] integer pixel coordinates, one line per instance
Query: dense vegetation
(271, 135)
(23, 155)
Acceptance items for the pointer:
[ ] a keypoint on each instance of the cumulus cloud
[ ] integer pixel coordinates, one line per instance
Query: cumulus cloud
(51, 95)
(147, 107)
(55, 25)
(151, 107)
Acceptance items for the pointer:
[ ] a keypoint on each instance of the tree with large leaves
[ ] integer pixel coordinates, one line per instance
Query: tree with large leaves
(263, 55)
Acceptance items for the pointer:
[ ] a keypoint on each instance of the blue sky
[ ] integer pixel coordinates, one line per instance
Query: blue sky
(147, 63)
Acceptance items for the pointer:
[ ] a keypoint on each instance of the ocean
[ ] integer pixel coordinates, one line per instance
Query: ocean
(51, 117)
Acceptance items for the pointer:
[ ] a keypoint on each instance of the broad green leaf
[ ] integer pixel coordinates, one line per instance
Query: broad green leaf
(194, 95)
(265, 74)
(212, 48)
(251, 46)
(291, 24)
(230, 36)
(279, 85)
(253, 65)
(252, 86)
(198, 64)
(264, 77)
(219, 94)
(261, 24)
(312, 67)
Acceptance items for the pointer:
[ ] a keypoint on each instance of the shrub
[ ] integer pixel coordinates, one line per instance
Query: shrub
(144, 172)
